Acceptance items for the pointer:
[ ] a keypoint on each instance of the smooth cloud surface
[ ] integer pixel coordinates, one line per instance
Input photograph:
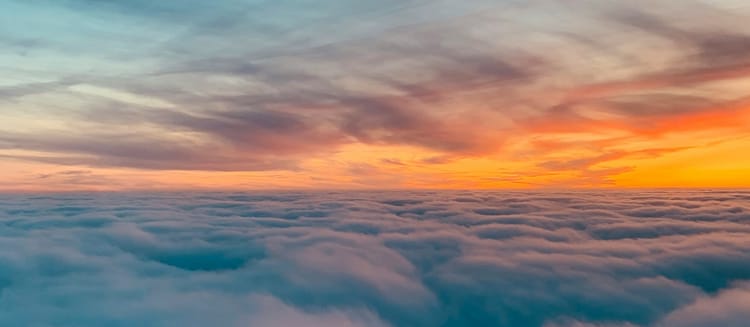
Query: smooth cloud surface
(672, 259)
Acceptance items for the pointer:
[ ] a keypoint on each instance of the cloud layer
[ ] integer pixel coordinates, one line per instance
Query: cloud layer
(655, 258)
(248, 85)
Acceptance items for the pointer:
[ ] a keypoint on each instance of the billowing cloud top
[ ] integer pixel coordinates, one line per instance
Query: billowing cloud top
(376, 259)
(387, 93)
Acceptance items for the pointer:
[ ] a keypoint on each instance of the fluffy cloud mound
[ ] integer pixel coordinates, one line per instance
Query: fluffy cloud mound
(671, 259)
(731, 308)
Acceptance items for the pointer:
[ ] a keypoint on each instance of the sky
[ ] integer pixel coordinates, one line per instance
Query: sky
(386, 94)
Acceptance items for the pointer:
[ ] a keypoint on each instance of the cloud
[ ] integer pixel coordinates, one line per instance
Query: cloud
(728, 308)
(272, 85)
(272, 313)
(374, 258)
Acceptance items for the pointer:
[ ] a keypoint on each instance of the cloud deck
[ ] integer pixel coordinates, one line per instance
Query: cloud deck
(653, 258)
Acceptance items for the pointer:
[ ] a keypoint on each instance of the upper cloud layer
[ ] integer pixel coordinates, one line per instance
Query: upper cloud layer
(256, 86)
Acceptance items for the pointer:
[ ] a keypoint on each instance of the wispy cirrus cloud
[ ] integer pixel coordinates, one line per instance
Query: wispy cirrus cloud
(255, 86)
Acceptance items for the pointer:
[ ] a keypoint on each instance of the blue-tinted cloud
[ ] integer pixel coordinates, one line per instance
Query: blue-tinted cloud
(375, 259)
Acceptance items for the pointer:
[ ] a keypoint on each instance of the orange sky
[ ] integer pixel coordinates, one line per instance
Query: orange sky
(602, 94)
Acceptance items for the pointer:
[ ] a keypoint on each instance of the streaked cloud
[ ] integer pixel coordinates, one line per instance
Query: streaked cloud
(243, 86)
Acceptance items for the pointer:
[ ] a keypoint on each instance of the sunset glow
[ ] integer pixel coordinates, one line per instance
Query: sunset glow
(383, 95)
(375, 163)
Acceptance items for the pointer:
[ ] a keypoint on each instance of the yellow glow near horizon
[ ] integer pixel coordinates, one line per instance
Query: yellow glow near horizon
(726, 164)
